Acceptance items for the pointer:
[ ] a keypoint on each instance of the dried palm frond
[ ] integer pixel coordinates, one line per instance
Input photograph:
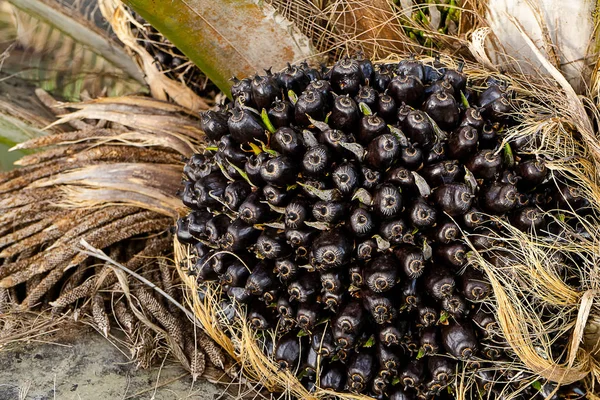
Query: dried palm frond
(63, 50)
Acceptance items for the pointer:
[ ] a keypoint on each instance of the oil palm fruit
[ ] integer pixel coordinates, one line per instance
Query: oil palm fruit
(357, 217)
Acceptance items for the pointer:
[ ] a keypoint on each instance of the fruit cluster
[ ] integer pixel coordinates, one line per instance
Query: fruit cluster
(333, 203)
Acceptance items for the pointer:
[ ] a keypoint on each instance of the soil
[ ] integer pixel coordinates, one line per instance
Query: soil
(85, 365)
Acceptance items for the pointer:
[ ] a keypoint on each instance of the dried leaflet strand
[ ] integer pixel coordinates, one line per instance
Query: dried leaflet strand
(99, 314)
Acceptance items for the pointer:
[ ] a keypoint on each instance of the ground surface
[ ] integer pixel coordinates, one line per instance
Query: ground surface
(87, 366)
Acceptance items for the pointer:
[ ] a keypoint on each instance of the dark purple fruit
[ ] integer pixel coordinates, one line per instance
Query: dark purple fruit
(411, 294)
(382, 78)
(383, 151)
(439, 282)
(197, 223)
(284, 308)
(474, 285)
(443, 109)
(333, 301)
(382, 309)
(239, 294)
(296, 212)
(346, 76)
(275, 195)
(406, 89)
(389, 361)
(368, 96)
(361, 369)
(499, 198)
(455, 306)
(485, 164)
(322, 342)
(286, 269)
(421, 214)
(279, 171)
(411, 261)
(395, 231)
(316, 160)
(329, 211)
(235, 194)
(387, 201)
(287, 352)
(346, 178)
(472, 118)
(446, 232)
(293, 78)
(439, 86)
(441, 369)
(459, 339)
(401, 177)
(533, 172)
(333, 378)
(411, 157)
(436, 154)
(528, 218)
(331, 249)
(259, 316)
(307, 315)
(199, 166)
(321, 86)
(453, 198)
(350, 319)
(260, 280)
(216, 228)
(264, 90)
(281, 113)
(241, 91)
(344, 114)
(389, 335)
(183, 231)
(442, 172)
(357, 278)
(456, 78)
(386, 108)
(412, 374)
(430, 340)
(381, 274)
(498, 110)
(253, 210)
(454, 254)
(411, 67)
(401, 394)
(272, 245)
(236, 274)
(419, 129)
(489, 95)
(463, 142)
(305, 288)
(244, 127)
(371, 178)
(427, 316)
(287, 142)
(209, 187)
(312, 104)
(367, 70)
(371, 126)
(332, 281)
(253, 166)
(214, 124)
(299, 238)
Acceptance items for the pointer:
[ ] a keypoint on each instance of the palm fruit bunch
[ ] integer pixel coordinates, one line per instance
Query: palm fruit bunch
(333, 202)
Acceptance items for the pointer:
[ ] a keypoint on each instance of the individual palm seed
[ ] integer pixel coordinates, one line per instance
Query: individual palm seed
(264, 90)
(275, 195)
(209, 189)
(411, 296)
(441, 368)
(411, 67)
(350, 318)
(235, 193)
(346, 77)
(395, 231)
(533, 172)
(453, 198)
(332, 281)
(387, 201)
(279, 171)
(485, 164)
(361, 370)
(371, 178)
(329, 211)
(333, 301)
(305, 288)
(333, 378)
(412, 374)
(474, 286)
(406, 89)
(455, 305)
(473, 218)
(440, 173)
(293, 78)
(288, 142)
(383, 151)
(382, 78)
(216, 228)
(296, 213)
(459, 339)
(381, 274)
(421, 214)
(439, 282)
(419, 129)
(443, 109)
(386, 108)
(331, 249)
(428, 315)
(239, 236)
(499, 197)
(411, 261)
(310, 104)
(430, 340)
(259, 316)
(528, 218)
(260, 280)
(472, 118)
(244, 127)
(236, 274)
(368, 96)
(307, 315)
(271, 245)
(287, 352)
(253, 210)
(281, 113)
(344, 114)
(316, 160)
(253, 166)
(286, 269)
(411, 157)
(214, 124)
(389, 361)
(453, 254)
(463, 142)
(241, 91)
(346, 178)
(389, 335)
